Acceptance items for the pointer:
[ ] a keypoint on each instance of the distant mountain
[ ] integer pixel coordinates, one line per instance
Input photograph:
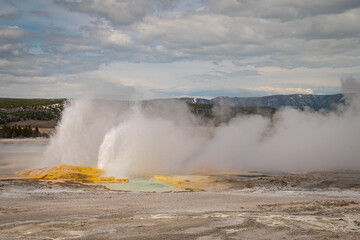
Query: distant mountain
(196, 100)
(299, 101)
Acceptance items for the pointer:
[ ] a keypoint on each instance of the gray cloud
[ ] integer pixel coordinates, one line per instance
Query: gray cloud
(339, 26)
(211, 92)
(46, 65)
(18, 62)
(91, 39)
(9, 11)
(13, 50)
(9, 2)
(252, 34)
(282, 9)
(56, 28)
(190, 36)
(221, 75)
(122, 12)
(351, 85)
(201, 35)
(10, 34)
(11, 38)
(95, 88)
(12, 16)
(40, 13)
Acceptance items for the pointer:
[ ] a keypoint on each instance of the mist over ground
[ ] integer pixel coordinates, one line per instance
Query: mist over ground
(127, 139)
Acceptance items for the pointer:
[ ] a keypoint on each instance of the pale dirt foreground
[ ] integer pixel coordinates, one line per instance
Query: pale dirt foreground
(301, 206)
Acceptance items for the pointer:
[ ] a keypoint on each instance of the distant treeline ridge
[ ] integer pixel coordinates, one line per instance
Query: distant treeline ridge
(20, 132)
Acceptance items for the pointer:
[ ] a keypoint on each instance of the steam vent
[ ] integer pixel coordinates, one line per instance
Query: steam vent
(71, 172)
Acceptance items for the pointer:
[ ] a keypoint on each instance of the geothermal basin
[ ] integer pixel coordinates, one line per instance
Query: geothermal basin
(257, 205)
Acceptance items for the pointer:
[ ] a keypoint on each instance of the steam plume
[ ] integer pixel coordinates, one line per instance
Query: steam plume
(126, 139)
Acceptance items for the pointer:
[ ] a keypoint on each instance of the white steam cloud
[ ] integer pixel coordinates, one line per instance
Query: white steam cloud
(127, 139)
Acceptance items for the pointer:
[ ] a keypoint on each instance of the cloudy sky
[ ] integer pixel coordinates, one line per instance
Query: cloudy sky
(143, 49)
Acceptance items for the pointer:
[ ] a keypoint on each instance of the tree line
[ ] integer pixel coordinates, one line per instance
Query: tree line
(20, 132)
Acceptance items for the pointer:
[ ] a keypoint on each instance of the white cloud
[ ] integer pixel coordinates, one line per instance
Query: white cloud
(10, 34)
(171, 47)
(284, 10)
(120, 12)
(336, 26)
(274, 90)
(9, 79)
(92, 39)
(116, 11)
(316, 41)
(182, 31)
(119, 39)
(10, 41)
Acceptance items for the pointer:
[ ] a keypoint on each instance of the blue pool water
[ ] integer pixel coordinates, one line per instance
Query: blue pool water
(141, 185)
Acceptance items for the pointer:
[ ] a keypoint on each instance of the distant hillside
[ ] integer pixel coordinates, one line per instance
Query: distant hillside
(7, 103)
(299, 101)
(18, 109)
(196, 100)
(223, 114)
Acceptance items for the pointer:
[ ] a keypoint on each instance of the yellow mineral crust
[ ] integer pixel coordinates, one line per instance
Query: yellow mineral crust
(190, 183)
(71, 172)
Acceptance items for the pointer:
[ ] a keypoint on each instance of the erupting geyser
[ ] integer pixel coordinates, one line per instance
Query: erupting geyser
(163, 137)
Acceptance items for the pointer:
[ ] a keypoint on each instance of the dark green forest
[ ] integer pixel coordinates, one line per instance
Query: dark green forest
(28, 102)
(20, 132)
(18, 109)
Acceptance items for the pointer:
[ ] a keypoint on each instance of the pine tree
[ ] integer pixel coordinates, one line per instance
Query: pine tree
(13, 133)
(22, 132)
(37, 133)
(18, 130)
(30, 131)
(8, 131)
